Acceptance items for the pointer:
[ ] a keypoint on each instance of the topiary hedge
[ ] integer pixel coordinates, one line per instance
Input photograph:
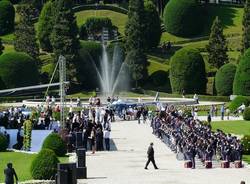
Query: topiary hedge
(44, 165)
(245, 141)
(246, 114)
(241, 84)
(237, 102)
(55, 143)
(3, 143)
(18, 69)
(7, 17)
(159, 78)
(187, 71)
(224, 79)
(183, 17)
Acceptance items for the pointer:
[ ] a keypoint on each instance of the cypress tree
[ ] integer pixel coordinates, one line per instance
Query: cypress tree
(246, 27)
(152, 29)
(45, 26)
(217, 46)
(135, 42)
(135, 25)
(25, 35)
(64, 34)
(1, 46)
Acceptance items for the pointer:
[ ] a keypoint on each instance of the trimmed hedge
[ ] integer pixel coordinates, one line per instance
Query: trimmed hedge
(245, 141)
(187, 71)
(18, 69)
(3, 143)
(183, 17)
(224, 79)
(44, 165)
(7, 17)
(159, 78)
(246, 114)
(94, 25)
(54, 142)
(241, 84)
(100, 7)
(237, 102)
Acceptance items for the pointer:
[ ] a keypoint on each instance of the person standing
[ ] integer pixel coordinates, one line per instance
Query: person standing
(93, 140)
(9, 173)
(151, 158)
(222, 111)
(107, 130)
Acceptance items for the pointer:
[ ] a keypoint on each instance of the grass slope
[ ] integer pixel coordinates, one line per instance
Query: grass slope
(118, 19)
(234, 127)
(21, 163)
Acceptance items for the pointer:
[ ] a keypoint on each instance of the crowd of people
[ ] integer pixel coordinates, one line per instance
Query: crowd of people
(190, 138)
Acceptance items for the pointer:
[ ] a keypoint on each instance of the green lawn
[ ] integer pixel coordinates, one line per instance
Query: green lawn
(118, 19)
(155, 66)
(231, 18)
(8, 48)
(234, 127)
(21, 163)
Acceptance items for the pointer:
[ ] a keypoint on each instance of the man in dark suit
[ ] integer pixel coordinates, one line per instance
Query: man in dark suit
(9, 174)
(151, 158)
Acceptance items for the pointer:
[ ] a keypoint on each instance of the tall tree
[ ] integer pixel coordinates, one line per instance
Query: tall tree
(135, 42)
(64, 35)
(45, 25)
(1, 46)
(217, 46)
(25, 35)
(152, 29)
(246, 27)
(134, 34)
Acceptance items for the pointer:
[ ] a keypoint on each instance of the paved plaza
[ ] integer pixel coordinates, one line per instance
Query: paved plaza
(125, 165)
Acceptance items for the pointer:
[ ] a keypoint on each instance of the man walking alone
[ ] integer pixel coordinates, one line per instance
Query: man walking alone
(151, 158)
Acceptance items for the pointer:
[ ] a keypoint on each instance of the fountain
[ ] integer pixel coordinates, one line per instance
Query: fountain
(112, 72)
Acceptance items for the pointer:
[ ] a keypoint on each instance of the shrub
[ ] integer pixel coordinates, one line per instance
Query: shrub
(245, 141)
(3, 143)
(7, 17)
(238, 101)
(18, 69)
(183, 17)
(152, 29)
(89, 57)
(187, 71)
(224, 79)
(55, 143)
(246, 114)
(100, 7)
(44, 165)
(2, 85)
(159, 78)
(96, 24)
(241, 84)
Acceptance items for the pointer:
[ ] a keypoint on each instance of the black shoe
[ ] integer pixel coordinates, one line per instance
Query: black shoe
(156, 168)
(146, 168)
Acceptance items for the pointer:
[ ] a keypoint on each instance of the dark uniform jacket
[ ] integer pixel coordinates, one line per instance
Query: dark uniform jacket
(150, 152)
